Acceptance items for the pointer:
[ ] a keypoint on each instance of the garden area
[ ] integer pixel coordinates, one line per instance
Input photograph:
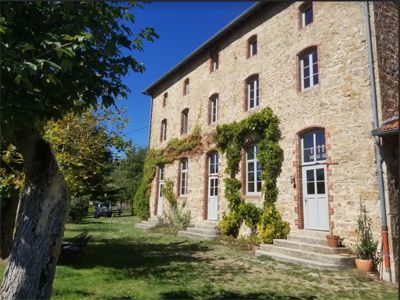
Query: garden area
(123, 262)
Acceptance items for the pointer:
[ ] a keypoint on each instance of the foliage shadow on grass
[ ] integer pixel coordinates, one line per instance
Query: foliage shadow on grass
(138, 258)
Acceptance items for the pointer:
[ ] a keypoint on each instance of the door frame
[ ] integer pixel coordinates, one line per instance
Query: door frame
(211, 176)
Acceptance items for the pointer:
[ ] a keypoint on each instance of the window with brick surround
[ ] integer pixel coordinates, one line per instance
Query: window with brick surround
(306, 14)
(253, 171)
(184, 121)
(186, 87)
(214, 60)
(163, 133)
(308, 65)
(183, 178)
(165, 97)
(252, 46)
(252, 92)
(213, 109)
(313, 147)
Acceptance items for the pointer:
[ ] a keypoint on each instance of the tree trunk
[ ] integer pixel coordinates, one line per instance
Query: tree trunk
(32, 264)
(7, 223)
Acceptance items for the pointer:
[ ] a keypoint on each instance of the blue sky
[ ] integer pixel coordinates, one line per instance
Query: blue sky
(182, 27)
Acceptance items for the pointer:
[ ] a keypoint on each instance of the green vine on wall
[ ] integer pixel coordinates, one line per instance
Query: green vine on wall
(261, 127)
(159, 157)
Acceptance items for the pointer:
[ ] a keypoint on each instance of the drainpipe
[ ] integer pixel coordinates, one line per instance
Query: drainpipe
(379, 159)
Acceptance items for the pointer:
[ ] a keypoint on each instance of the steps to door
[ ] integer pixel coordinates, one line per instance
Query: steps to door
(147, 224)
(308, 248)
(206, 230)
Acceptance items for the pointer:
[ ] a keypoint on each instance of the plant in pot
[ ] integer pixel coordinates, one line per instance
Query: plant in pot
(365, 248)
(332, 240)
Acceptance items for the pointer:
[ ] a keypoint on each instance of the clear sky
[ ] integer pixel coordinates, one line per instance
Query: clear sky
(182, 27)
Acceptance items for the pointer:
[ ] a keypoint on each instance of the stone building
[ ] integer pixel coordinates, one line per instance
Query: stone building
(308, 62)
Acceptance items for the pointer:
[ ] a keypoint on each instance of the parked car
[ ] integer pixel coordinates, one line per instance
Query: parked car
(103, 209)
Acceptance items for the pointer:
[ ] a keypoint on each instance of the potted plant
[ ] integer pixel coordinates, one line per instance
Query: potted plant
(365, 248)
(332, 240)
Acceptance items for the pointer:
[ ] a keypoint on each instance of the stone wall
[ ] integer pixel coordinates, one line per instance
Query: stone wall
(340, 104)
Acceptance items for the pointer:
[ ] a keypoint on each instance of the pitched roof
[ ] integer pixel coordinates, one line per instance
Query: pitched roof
(238, 20)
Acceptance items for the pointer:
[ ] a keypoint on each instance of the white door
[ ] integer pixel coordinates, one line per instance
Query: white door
(315, 200)
(212, 205)
(160, 204)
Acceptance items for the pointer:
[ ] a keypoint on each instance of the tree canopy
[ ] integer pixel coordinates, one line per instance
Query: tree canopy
(58, 57)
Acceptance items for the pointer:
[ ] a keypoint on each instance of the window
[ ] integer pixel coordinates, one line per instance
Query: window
(313, 147)
(306, 14)
(213, 174)
(186, 87)
(183, 184)
(253, 171)
(163, 135)
(309, 69)
(214, 60)
(213, 109)
(252, 92)
(184, 121)
(252, 46)
(160, 181)
(164, 102)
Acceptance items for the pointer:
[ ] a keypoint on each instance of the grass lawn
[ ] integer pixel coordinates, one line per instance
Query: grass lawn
(127, 263)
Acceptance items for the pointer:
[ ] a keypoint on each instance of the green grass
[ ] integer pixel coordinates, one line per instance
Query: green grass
(127, 263)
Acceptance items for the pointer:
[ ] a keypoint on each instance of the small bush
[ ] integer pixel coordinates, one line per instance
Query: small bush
(271, 225)
(250, 214)
(176, 216)
(78, 209)
(230, 224)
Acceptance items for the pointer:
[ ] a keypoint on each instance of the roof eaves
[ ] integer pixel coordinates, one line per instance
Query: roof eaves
(207, 43)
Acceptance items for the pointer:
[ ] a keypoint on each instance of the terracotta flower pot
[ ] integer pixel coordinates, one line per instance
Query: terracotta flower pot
(332, 240)
(364, 264)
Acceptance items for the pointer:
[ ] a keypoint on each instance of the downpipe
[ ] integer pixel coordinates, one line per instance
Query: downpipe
(386, 274)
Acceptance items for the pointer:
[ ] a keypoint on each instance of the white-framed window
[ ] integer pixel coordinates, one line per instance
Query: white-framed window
(309, 69)
(185, 121)
(253, 171)
(183, 184)
(163, 135)
(252, 46)
(313, 147)
(160, 181)
(213, 112)
(214, 60)
(213, 174)
(306, 14)
(252, 92)
(186, 87)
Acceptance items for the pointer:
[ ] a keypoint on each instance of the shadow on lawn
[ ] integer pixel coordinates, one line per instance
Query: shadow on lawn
(139, 257)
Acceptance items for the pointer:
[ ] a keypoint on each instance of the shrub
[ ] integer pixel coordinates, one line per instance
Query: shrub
(78, 209)
(271, 225)
(365, 247)
(176, 216)
(250, 214)
(230, 224)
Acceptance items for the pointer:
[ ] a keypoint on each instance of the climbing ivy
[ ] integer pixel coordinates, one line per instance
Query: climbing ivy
(261, 127)
(159, 157)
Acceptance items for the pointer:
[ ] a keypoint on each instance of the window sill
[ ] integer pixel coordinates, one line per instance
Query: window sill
(311, 88)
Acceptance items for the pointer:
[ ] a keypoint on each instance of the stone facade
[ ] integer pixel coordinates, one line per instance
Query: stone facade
(339, 104)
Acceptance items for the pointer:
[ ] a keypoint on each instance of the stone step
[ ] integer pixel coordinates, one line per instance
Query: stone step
(334, 259)
(143, 226)
(309, 247)
(301, 261)
(203, 230)
(207, 225)
(197, 236)
(297, 237)
(309, 233)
